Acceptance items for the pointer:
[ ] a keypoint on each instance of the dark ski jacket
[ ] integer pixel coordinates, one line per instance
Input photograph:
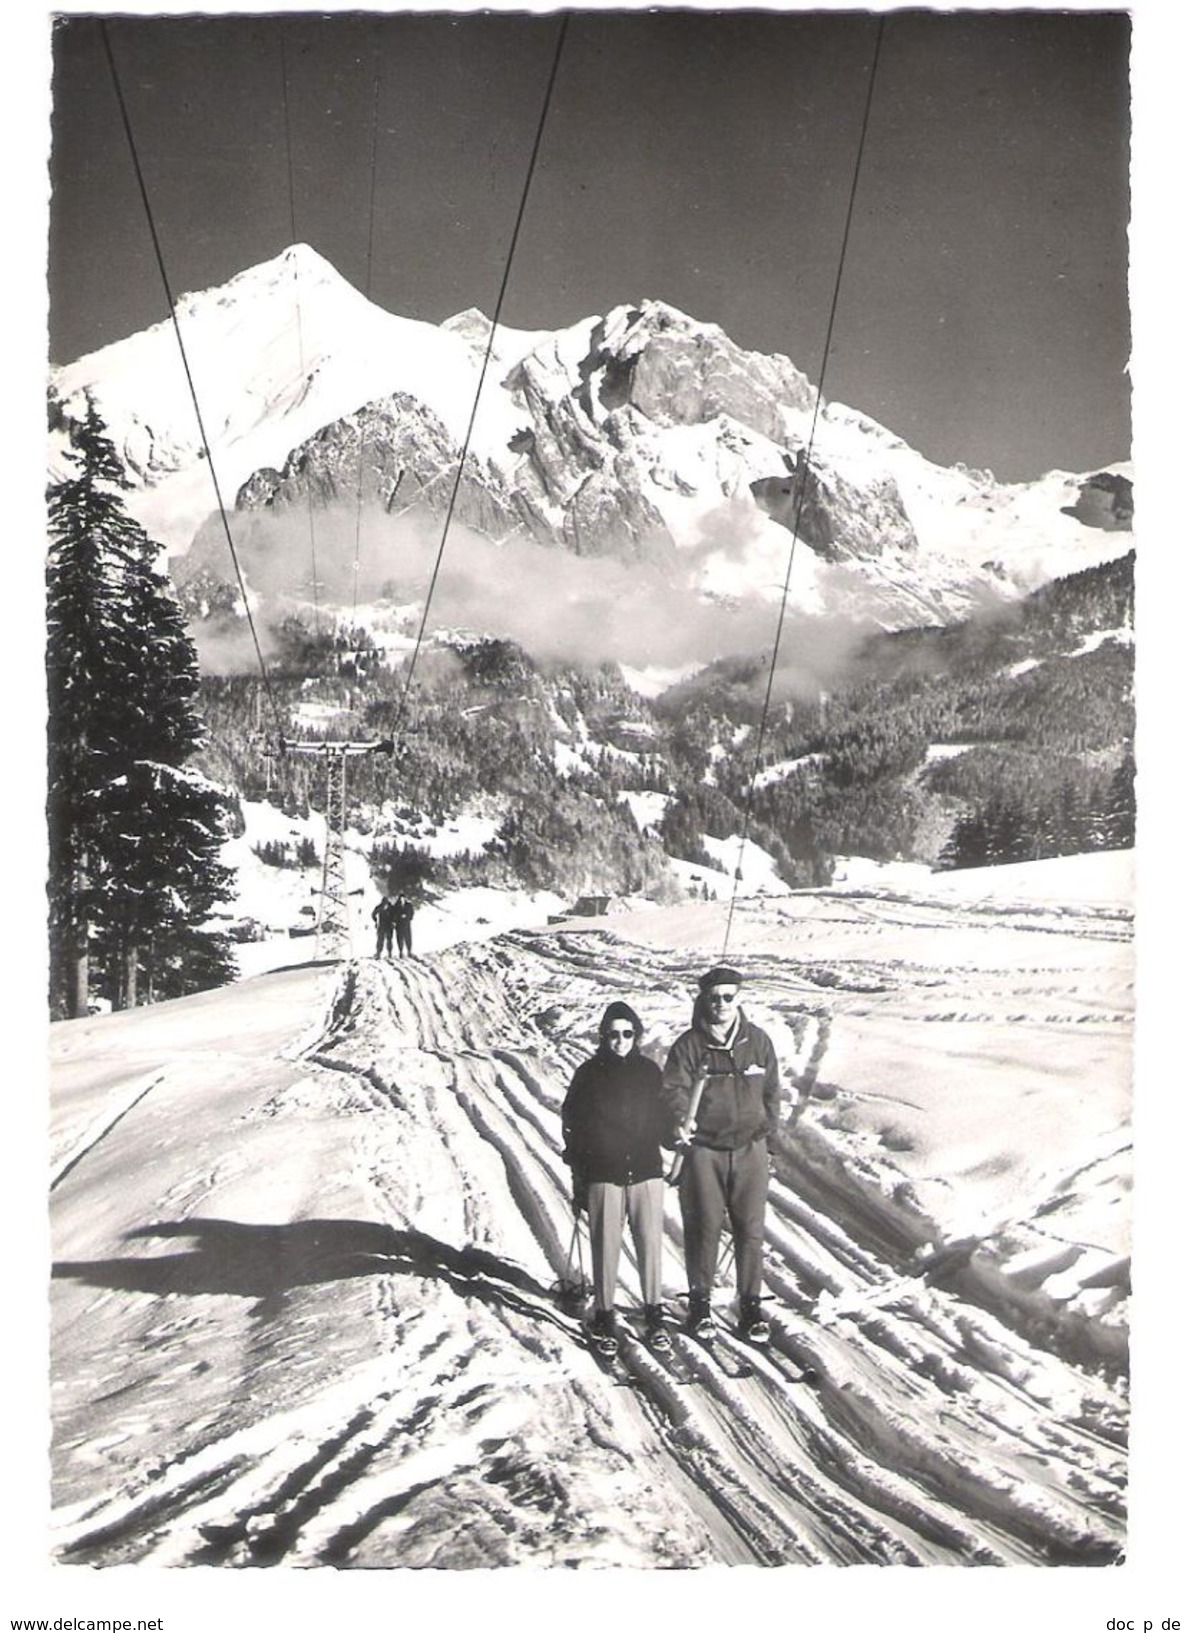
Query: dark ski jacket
(614, 1119)
(742, 1096)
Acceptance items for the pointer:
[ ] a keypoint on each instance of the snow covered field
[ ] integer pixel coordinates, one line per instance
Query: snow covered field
(305, 1230)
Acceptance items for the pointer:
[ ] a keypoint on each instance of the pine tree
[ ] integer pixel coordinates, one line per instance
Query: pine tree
(134, 834)
(1121, 816)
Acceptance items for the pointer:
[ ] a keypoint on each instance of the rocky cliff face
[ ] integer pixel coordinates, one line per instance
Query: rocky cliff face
(641, 435)
(392, 455)
(1105, 501)
(678, 372)
(604, 457)
(840, 519)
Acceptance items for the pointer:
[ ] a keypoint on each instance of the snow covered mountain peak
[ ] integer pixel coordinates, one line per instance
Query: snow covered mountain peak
(276, 354)
(248, 302)
(642, 434)
(471, 324)
(298, 270)
(632, 325)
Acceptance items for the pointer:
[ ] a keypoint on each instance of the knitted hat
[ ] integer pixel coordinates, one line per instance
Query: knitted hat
(721, 976)
(618, 1011)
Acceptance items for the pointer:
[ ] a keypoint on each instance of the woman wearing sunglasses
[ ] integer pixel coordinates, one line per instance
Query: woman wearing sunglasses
(614, 1119)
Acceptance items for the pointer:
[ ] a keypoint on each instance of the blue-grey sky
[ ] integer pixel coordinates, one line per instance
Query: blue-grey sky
(700, 158)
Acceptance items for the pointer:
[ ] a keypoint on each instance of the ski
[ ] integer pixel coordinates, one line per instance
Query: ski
(677, 1365)
(732, 1366)
(613, 1365)
(670, 1358)
(807, 1374)
(570, 1299)
(606, 1358)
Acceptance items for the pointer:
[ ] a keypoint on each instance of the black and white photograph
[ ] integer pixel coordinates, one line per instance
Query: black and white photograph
(583, 890)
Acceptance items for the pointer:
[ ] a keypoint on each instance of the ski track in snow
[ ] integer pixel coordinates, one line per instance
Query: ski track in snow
(456, 1418)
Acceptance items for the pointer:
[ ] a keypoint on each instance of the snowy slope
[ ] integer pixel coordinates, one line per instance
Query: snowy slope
(305, 1230)
(968, 518)
(277, 353)
(276, 908)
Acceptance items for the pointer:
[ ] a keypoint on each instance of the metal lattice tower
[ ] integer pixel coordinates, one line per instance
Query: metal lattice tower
(333, 918)
(332, 904)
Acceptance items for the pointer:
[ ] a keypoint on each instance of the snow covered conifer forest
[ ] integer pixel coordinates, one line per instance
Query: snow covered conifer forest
(135, 831)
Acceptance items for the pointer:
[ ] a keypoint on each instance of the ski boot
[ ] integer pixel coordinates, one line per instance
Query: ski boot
(751, 1323)
(698, 1315)
(602, 1333)
(656, 1335)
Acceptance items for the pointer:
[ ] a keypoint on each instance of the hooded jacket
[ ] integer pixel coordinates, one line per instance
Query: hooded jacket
(614, 1116)
(741, 1099)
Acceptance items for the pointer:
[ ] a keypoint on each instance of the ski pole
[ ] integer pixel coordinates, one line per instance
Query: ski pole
(570, 1264)
(725, 1256)
(582, 1271)
(568, 1287)
(686, 1130)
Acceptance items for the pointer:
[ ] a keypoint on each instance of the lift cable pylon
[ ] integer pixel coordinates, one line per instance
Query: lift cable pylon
(333, 924)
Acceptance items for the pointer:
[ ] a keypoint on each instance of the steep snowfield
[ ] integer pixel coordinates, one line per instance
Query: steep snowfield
(277, 353)
(305, 1231)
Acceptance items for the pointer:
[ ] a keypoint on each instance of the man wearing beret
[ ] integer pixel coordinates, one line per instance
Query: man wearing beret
(726, 1069)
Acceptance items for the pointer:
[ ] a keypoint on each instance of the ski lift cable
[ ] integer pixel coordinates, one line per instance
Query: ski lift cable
(804, 473)
(169, 296)
(367, 296)
(504, 284)
(293, 238)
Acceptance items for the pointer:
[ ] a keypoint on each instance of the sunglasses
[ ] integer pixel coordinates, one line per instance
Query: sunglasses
(621, 1032)
(722, 997)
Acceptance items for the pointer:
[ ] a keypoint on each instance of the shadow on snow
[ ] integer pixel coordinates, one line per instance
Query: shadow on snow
(263, 1261)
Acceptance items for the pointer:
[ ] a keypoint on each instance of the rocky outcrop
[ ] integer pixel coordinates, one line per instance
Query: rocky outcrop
(562, 442)
(678, 372)
(609, 516)
(1105, 501)
(394, 454)
(840, 520)
(594, 464)
(592, 449)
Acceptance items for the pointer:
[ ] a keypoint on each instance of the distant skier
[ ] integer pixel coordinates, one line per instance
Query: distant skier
(385, 919)
(726, 1068)
(614, 1119)
(403, 918)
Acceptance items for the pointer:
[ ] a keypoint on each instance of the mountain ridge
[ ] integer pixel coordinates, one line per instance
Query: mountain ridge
(641, 434)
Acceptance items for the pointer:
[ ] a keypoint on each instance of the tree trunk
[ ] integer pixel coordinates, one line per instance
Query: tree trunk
(78, 976)
(131, 959)
(78, 973)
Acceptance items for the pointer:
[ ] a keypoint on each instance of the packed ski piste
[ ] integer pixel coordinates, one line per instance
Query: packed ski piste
(584, 1244)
